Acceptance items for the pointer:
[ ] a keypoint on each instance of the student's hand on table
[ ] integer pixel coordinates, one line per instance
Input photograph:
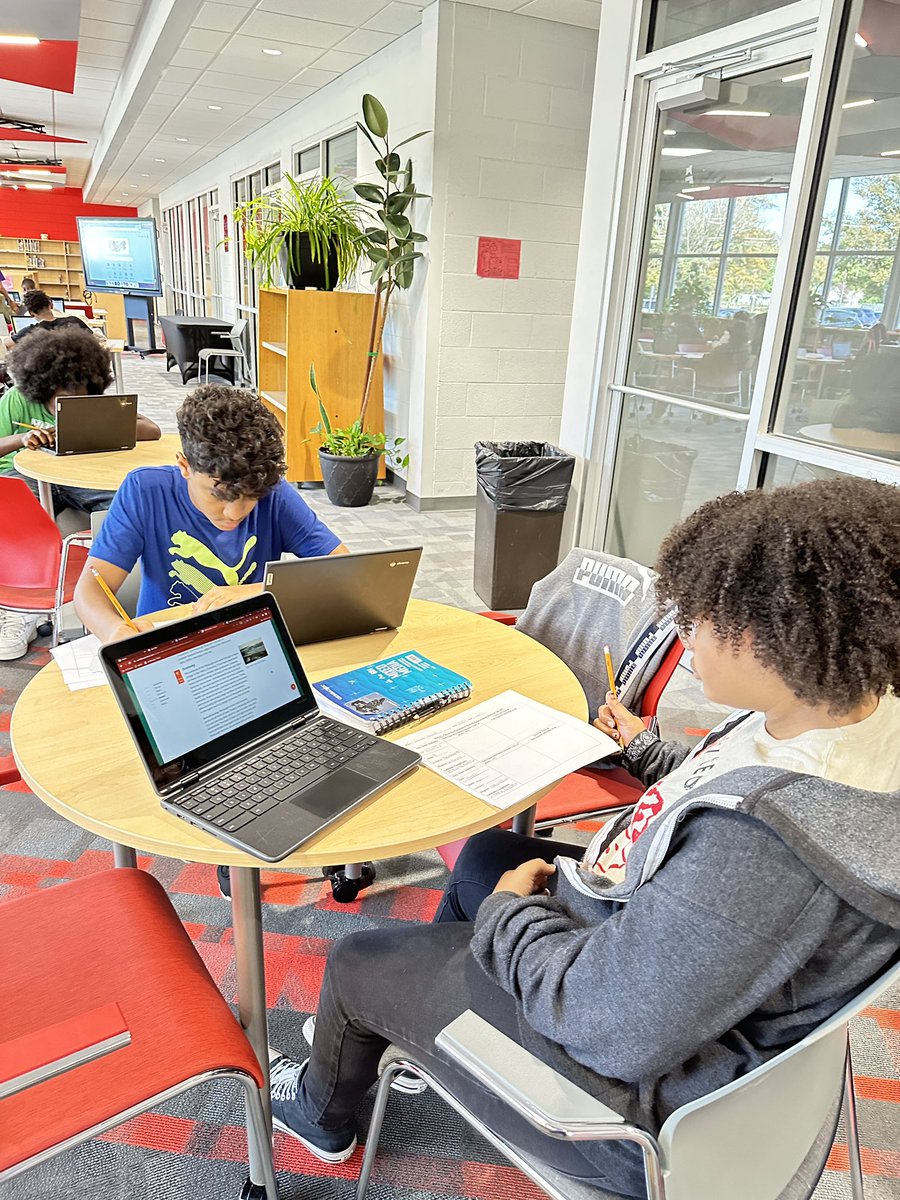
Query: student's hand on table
(33, 439)
(530, 879)
(122, 630)
(614, 719)
(216, 597)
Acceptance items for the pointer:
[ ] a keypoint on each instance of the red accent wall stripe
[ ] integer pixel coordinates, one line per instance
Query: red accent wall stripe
(29, 214)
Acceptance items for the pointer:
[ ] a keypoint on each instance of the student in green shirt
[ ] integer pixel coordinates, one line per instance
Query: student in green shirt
(56, 363)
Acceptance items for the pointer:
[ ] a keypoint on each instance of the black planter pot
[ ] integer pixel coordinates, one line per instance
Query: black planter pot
(301, 270)
(349, 482)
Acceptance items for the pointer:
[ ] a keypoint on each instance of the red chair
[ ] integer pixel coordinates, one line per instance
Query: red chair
(9, 772)
(83, 962)
(588, 792)
(38, 566)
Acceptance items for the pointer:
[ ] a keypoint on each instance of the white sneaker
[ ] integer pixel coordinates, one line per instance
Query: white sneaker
(17, 632)
(403, 1081)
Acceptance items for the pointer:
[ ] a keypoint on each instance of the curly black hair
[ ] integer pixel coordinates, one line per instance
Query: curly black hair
(229, 434)
(59, 362)
(36, 301)
(812, 572)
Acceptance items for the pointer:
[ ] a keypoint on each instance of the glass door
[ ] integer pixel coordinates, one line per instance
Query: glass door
(719, 150)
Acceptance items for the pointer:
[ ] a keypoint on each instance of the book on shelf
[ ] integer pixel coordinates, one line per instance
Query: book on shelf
(391, 692)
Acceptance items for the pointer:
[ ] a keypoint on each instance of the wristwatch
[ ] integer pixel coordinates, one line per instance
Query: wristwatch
(639, 743)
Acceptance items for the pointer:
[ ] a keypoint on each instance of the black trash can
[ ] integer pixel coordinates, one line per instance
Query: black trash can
(523, 488)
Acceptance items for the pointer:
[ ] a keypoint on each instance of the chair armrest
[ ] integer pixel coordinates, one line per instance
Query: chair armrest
(538, 1093)
(51, 1051)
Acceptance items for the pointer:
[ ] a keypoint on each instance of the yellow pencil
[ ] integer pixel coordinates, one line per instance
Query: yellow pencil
(25, 425)
(610, 673)
(112, 597)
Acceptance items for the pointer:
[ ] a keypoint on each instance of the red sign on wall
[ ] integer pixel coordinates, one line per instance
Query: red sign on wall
(498, 258)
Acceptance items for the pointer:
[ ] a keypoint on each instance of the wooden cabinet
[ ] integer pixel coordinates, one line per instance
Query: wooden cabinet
(55, 266)
(330, 330)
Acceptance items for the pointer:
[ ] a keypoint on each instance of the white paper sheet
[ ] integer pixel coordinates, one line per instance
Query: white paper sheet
(79, 663)
(507, 748)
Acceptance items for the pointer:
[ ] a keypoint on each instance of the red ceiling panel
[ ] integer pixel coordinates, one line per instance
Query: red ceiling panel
(47, 65)
(8, 134)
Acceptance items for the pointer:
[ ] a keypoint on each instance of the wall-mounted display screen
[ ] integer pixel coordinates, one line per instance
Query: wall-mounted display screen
(120, 254)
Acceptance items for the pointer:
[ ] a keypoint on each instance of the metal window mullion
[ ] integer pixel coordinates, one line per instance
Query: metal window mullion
(803, 218)
(835, 239)
(891, 306)
(815, 454)
(679, 402)
(723, 256)
(669, 262)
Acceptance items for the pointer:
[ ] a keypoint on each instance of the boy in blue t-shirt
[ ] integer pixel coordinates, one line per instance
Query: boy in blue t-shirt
(203, 529)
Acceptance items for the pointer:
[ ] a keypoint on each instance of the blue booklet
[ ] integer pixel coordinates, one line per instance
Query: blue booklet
(390, 692)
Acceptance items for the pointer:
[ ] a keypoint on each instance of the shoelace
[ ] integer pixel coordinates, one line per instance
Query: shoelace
(284, 1078)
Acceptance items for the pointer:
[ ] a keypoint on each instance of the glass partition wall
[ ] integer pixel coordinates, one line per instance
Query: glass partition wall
(760, 249)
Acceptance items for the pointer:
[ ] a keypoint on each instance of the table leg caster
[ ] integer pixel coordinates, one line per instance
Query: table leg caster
(347, 883)
(253, 1191)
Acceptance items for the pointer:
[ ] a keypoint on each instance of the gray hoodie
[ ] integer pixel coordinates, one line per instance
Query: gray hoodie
(749, 912)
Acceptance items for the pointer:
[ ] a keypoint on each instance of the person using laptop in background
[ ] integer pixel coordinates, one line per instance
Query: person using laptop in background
(38, 304)
(69, 362)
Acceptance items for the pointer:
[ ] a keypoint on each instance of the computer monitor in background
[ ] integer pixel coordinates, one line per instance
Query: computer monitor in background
(59, 304)
(20, 323)
(120, 254)
(16, 296)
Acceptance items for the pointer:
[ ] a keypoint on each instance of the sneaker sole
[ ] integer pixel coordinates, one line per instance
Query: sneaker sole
(409, 1085)
(325, 1156)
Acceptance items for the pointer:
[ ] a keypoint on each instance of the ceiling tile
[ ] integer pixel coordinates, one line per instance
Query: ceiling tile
(312, 77)
(250, 84)
(338, 60)
(396, 18)
(205, 39)
(294, 29)
(343, 12)
(219, 16)
(112, 30)
(191, 58)
(365, 41)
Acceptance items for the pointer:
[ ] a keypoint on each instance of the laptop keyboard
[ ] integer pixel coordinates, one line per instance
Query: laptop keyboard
(234, 799)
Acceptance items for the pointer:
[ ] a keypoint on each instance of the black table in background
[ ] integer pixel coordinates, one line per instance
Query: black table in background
(187, 336)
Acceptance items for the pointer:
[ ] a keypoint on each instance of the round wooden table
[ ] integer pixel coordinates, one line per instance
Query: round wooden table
(103, 472)
(82, 763)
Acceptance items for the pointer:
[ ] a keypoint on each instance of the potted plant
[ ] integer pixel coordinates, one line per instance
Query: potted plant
(349, 456)
(311, 230)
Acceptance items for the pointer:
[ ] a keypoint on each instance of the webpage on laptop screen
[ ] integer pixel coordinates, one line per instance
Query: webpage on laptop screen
(196, 688)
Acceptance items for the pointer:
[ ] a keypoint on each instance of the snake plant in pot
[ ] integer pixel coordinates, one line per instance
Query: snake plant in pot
(310, 230)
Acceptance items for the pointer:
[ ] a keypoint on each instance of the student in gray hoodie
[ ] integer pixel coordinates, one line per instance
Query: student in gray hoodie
(753, 890)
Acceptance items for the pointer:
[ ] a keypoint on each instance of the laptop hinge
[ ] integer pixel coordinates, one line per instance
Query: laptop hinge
(220, 764)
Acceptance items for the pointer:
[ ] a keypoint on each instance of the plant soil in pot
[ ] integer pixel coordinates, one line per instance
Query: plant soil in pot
(299, 267)
(349, 482)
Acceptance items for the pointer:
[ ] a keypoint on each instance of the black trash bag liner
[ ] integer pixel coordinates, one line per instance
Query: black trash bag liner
(524, 476)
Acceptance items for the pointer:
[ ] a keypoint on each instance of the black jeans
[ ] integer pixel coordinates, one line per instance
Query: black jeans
(403, 985)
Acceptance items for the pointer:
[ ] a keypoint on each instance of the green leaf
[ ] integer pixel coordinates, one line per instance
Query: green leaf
(378, 270)
(398, 203)
(376, 254)
(376, 235)
(417, 237)
(369, 191)
(398, 225)
(363, 130)
(374, 115)
(404, 274)
(412, 139)
(312, 378)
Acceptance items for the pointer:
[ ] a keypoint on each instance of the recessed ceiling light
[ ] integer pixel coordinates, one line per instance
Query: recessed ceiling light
(670, 132)
(736, 112)
(215, 107)
(29, 171)
(683, 151)
(889, 153)
(39, 187)
(15, 39)
(159, 160)
(124, 193)
(181, 139)
(683, 196)
(144, 175)
(858, 103)
(793, 78)
(705, 187)
(271, 50)
(860, 41)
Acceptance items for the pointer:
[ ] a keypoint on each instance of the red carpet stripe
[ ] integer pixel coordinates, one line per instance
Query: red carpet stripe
(887, 1018)
(870, 1088)
(885, 1163)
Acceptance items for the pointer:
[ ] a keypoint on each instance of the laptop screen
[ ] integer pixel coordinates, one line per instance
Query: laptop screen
(208, 685)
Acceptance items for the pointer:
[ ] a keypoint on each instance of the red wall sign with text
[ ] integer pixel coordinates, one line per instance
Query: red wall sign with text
(498, 258)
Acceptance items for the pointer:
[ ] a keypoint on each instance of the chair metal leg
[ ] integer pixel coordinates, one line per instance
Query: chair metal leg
(523, 822)
(856, 1175)
(259, 1140)
(381, 1099)
(123, 856)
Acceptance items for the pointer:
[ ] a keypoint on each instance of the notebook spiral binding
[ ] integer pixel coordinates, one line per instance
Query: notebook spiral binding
(423, 708)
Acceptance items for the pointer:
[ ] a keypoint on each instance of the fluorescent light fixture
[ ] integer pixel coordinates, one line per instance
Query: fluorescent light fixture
(144, 175)
(181, 139)
(683, 151)
(890, 153)
(860, 41)
(670, 132)
(858, 103)
(14, 39)
(794, 78)
(215, 107)
(159, 160)
(124, 193)
(271, 50)
(683, 196)
(701, 187)
(39, 187)
(29, 171)
(736, 112)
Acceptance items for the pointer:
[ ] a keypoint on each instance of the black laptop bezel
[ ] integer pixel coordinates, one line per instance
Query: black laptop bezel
(165, 776)
(101, 396)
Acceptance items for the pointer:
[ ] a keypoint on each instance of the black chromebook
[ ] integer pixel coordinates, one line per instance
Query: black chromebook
(226, 724)
(94, 424)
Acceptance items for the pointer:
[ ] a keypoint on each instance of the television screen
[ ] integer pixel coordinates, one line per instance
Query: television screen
(120, 255)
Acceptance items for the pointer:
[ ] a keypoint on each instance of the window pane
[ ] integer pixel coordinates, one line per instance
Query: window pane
(703, 227)
(675, 20)
(756, 223)
(340, 156)
(308, 160)
(669, 460)
(273, 174)
(782, 472)
(659, 227)
(871, 214)
(747, 285)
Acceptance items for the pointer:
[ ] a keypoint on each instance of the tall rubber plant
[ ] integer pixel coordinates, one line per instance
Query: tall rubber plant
(390, 242)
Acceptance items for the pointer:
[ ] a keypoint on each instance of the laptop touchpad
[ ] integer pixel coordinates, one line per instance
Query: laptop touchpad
(334, 794)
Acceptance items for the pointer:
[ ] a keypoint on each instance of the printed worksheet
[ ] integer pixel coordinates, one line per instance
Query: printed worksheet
(507, 748)
(79, 663)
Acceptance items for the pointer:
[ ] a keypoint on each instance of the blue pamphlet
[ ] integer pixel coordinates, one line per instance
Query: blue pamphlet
(390, 692)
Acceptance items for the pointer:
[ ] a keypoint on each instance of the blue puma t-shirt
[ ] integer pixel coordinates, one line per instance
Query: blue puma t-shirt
(183, 555)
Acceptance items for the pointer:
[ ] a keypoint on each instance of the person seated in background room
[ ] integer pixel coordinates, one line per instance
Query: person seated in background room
(39, 305)
(67, 363)
(752, 891)
(874, 402)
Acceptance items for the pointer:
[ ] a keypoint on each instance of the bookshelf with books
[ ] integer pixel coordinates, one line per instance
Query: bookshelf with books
(330, 329)
(55, 266)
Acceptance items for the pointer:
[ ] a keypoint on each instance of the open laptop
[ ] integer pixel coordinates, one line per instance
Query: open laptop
(94, 424)
(20, 323)
(344, 595)
(227, 727)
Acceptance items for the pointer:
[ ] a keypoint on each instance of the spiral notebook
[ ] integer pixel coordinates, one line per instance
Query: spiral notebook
(391, 692)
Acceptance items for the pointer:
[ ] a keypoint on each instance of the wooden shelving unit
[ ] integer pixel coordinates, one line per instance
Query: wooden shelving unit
(330, 329)
(55, 266)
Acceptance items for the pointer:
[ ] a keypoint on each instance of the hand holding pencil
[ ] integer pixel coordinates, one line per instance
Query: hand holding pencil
(613, 718)
(37, 435)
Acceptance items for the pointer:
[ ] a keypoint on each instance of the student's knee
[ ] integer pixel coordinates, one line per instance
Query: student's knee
(483, 851)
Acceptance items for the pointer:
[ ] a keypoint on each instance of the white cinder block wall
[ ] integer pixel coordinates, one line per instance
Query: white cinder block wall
(512, 117)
